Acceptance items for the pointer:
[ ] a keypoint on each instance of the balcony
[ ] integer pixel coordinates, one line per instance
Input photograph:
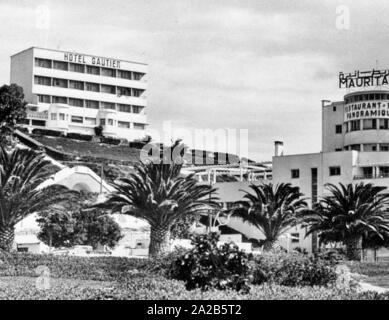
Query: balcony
(37, 115)
(381, 175)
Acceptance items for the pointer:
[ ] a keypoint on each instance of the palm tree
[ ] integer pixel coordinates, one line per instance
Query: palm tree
(157, 193)
(273, 210)
(22, 171)
(348, 214)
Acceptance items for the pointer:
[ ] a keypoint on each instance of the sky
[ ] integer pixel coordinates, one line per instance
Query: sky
(260, 66)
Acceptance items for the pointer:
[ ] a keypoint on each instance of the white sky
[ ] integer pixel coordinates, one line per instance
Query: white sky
(259, 65)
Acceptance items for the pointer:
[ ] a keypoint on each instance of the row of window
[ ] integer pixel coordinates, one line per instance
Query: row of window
(93, 121)
(366, 97)
(88, 86)
(92, 104)
(333, 171)
(365, 124)
(81, 68)
(367, 147)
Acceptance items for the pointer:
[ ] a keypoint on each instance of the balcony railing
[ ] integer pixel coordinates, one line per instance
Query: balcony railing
(372, 176)
(37, 115)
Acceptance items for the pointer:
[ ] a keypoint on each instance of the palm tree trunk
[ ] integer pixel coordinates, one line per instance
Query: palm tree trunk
(354, 248)
(268, 245)
(7, 236)
(159, 240)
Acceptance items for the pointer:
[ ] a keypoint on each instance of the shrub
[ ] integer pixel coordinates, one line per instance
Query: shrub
(294, 270)
(46, 132)
(207, 266)
(110, 140)
(79, 136)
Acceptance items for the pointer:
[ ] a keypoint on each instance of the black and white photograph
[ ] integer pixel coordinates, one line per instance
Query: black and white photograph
(207, 151)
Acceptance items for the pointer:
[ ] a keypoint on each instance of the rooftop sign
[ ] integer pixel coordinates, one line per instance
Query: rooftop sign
(91, 60)
(360, 79)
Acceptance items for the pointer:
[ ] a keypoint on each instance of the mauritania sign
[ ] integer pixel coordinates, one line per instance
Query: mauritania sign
(360, 79)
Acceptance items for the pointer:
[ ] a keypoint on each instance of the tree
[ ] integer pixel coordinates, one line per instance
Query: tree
(22, 171)
(12, 105)
(57, 228)
(94, 227)
(157, 193)
(71, 224)
(348, 214)
(273, 210)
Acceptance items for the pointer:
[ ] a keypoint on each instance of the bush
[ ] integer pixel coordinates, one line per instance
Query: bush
(207, 266)
(79, 136)
(46, 132)
(109, 140)
(294, 270)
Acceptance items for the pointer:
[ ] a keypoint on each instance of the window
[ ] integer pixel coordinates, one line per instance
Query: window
(43, 63)
(334, 171)
(338, 149)
(137, 92)
(108, 72)
(108, 89)
(139, 126)
(295, 173)
(108, 105)
(369, 124)
(124, 91)
(53, 116)
(295, 237)
(76, 102)
(356, 147)
(92, 87)
(136, 109)
(384, 147)
(77, 119)
(63, 83)
(63, 100)
(76, 67)
(92, 70)
(122, 124)
(90, 121)
(124, 108)
(91, 104)
(39, 123)
(110, 122)
(355, 125)
(44, 81)
(60, 65)
(124, 74)
(384, 124)
(102, 122)
(62, 116)
(138, 75)
(383, 172)
(367, 172)
(78, 85)
(370, 147)
(44, 98)
(334, 108)
(338, 129)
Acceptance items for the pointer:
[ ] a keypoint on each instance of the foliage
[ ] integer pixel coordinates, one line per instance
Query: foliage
(99, 130)
(94, 227)
(273, 210)
(22, 192)
(294, 270)
(12, 105)
(181, 228)
(79, 136)
(71, 224)
(348, 214)
(207, 266)
(157, 193)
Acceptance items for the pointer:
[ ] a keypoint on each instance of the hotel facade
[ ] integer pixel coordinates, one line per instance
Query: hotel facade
(355, 142)
(73, 92)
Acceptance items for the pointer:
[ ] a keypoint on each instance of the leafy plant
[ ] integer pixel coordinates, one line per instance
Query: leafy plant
(207, 266)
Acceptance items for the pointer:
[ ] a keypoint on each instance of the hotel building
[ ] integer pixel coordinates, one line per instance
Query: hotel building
(355, 145)
(73, 92)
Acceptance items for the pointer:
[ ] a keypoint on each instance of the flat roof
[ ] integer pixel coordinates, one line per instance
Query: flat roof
(87, 54)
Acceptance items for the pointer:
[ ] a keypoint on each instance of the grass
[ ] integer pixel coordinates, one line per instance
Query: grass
(377, 273)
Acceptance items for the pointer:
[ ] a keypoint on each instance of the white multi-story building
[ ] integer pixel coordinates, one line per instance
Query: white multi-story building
(355, 142)
(74, 92)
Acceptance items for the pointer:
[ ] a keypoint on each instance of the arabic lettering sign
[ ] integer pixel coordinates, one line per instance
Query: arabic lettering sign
(360, 79)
